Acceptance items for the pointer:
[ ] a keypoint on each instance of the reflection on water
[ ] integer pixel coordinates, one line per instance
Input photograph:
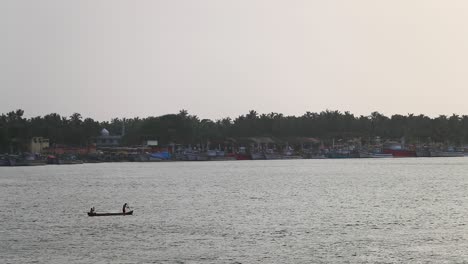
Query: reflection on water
(297, 211)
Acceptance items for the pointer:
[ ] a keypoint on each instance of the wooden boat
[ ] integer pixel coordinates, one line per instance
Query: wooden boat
(110, 214)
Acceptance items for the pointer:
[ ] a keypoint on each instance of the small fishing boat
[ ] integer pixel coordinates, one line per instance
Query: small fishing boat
(110, 214)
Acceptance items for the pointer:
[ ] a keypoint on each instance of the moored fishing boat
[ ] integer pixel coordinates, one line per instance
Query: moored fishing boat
(400, 153)
(289, 154)
(423, 152)
(272, 155)
(398, 150)
(7, 161)
(436, 153)
(258, 156)
(242, 156)
(339, 154)
(380, 155)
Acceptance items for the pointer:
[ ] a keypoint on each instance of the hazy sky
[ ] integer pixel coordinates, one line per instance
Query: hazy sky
(216, 58)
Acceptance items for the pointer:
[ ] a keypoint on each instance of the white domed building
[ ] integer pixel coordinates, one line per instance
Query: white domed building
(106, 140)
(105, 132)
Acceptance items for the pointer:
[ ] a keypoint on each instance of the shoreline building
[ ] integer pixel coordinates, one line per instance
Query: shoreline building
(38, 144)
(106, 140)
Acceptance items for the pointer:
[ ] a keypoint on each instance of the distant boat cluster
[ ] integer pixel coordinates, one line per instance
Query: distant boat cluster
(55, 139)
(28, 159)
(258, 151)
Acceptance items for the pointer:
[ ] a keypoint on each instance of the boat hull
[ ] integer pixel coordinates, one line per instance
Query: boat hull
(258, 156)
(380, 155)
(240, 156)
(446, 154)
(110, 214)
(400, 153)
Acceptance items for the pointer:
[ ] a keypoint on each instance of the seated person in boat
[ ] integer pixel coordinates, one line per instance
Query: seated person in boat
(92, 211)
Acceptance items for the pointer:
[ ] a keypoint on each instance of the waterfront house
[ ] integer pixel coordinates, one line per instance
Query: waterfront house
(38, 144)
(106, 140)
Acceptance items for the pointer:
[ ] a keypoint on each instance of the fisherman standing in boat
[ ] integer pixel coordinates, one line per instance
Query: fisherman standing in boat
(125, 206)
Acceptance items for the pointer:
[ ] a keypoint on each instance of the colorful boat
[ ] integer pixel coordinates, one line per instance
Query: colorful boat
(435, 153)
(398, 150)
(400, 153)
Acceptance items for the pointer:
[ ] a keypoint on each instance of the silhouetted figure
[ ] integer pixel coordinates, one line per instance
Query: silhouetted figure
(125, 206)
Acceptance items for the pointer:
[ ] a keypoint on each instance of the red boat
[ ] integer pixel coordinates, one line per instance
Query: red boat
(242, 156)
(400, 153)
(398, 150)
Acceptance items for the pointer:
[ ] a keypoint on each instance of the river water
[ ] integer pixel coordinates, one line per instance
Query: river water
(411, 210)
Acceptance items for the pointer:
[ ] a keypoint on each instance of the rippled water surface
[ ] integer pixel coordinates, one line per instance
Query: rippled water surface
(298, 211)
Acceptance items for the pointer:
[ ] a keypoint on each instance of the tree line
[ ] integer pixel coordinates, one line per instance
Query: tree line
(183, 128)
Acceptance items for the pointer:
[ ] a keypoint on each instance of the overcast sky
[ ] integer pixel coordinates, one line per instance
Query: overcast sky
(216, 58)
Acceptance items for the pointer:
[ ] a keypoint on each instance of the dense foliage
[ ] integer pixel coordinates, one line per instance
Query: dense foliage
(182, 128)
